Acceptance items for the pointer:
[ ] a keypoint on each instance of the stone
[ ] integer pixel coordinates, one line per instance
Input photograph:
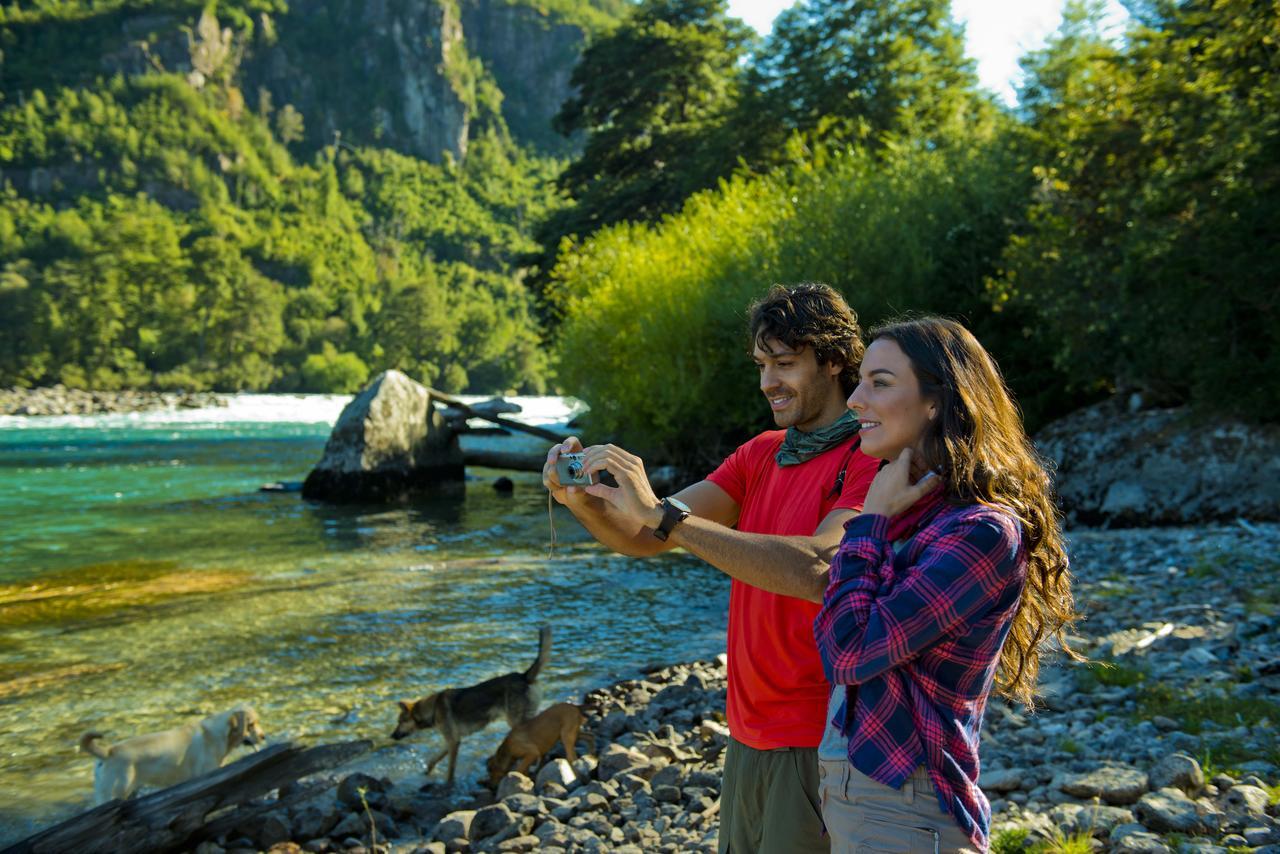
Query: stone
(267, 829)
(352, 825)
(1179, 771)
(490, 821)
(1259, 836)
(1135, 839)
(672, 775)
(616, 758)
(1097, 819)
(349, 790)
(713, 730)
(513, 784)
(1245, 799)
(521, 843)
(1168, 811)
(455, 825)
(524, 803)
(1133, 468)
(559, 772)
(1001, 781)
(312, 823)
(1115, 784)
(667, 794)
(388, 442)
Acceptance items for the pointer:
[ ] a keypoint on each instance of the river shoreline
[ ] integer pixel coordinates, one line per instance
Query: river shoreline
(1165, 742)
(60, 400)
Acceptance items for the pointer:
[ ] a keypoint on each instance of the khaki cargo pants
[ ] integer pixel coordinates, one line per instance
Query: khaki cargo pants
(769, 801)
(867, 817)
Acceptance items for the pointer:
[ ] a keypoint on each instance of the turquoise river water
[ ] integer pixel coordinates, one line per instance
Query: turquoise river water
(146, 581)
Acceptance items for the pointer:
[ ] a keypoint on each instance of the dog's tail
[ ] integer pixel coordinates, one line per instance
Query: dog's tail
(89, 744)
(544, 652)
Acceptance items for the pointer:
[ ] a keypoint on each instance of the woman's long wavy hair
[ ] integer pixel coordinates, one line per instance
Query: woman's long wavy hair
(979, 446)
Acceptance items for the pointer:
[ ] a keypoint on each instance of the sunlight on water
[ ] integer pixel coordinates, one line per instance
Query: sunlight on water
(144, 581)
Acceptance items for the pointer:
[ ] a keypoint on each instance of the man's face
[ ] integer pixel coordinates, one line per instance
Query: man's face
(799, 390)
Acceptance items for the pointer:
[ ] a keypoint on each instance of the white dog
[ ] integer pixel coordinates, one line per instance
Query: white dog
(170, 757)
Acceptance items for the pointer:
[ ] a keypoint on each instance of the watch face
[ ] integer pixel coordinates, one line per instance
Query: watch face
(680, 505)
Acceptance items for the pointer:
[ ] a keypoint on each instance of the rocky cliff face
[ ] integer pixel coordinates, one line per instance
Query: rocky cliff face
(418, 76)
(1162, 467)
(531, 57)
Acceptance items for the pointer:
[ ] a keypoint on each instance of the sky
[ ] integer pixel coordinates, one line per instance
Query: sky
(997, 31)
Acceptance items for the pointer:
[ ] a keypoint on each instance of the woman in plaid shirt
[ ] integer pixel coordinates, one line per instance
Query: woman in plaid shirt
(943, 588)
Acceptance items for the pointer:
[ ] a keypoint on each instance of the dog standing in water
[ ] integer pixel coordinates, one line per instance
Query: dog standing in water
(458, 712)
(169, 757)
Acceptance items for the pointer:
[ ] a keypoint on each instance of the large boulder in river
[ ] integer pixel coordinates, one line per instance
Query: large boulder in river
(388, 442)
(1162, 466)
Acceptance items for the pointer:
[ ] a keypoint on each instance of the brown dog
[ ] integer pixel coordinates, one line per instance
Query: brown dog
(526, 743)
(458, 712)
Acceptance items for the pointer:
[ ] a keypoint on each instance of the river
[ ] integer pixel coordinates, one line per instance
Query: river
(146, 581)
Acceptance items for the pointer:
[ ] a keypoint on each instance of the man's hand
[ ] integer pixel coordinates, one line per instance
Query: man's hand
(892, 491)
(551, 477)
(633, 497)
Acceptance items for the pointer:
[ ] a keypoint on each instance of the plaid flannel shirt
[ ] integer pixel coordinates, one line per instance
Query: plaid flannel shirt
(916, 635)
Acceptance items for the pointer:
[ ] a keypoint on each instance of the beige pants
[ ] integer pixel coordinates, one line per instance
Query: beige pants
(866, 817)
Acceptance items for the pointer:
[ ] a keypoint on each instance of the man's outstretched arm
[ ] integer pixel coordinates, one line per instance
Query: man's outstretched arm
(792, 566)
(614, 529)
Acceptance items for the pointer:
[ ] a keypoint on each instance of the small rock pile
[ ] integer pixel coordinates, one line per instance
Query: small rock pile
(1183, 631)
(60, 400)
(1165, 742)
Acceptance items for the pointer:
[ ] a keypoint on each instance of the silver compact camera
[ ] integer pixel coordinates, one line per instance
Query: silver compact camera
(570, 471)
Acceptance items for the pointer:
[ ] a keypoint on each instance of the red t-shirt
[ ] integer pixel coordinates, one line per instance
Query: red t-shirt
(777, 691)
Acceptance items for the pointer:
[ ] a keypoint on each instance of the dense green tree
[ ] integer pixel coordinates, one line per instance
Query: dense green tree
(165, 239)
(649, 97)
(1151, 249)
(862, 70)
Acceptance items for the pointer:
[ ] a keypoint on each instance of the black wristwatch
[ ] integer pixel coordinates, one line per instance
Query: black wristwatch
(674, 511)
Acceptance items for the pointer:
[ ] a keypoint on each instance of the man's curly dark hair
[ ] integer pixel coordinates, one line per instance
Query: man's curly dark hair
(814, 315)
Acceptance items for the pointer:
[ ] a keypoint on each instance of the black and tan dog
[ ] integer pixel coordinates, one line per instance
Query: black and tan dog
(458, 712)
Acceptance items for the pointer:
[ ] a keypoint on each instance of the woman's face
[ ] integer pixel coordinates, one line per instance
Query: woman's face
(887, 402)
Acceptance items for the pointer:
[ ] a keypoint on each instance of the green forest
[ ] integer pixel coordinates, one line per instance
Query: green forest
(1113, 233)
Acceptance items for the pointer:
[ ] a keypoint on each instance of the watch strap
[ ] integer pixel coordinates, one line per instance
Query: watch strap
(671, 516)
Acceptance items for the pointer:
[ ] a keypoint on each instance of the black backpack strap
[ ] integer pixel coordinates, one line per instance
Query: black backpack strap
(838, 486)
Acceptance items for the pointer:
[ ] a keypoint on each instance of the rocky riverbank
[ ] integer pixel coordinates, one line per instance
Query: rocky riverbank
(60, 400)
(1166, 742)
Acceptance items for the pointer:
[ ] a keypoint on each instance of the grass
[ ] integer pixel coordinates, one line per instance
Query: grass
(1017, 840)
(1079, 842)
(1192, 710)
(1110, 674)
(1069, 745)
(1012, 840)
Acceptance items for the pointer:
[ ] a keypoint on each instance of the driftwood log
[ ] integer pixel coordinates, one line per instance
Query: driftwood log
(182, 816)
(505, 460)
(532, 430)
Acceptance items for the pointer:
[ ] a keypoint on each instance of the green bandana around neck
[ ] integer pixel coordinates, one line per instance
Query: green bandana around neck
(798, 446)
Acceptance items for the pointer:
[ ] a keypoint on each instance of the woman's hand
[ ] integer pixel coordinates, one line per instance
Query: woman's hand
(892, 491)
(633, 497)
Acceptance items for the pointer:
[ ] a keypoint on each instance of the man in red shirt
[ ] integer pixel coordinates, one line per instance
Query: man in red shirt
(771, 517)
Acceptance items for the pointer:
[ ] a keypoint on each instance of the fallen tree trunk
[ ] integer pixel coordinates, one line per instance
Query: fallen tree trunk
(540, 432)
(181, 816)
(504, 460)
